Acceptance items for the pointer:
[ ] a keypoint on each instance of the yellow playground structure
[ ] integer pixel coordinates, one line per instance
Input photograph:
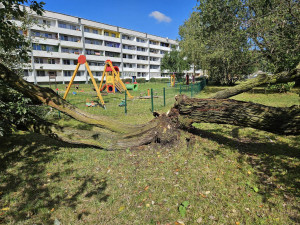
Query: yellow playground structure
(172, 81)
(113, 81)
(82, 60)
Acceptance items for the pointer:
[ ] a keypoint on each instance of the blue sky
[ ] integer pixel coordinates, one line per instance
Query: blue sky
(158, 17)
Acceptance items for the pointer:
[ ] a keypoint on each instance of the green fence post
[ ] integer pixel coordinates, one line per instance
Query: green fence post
(58, 110)
(125, 102)
(191, 90)
(164, 96)
(180, 89)
(152, 100)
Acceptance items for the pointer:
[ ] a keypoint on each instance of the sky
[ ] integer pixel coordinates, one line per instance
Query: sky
(157, 17)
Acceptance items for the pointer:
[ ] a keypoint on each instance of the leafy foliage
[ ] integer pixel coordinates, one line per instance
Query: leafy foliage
(174, 62)
(230, 38)
(281, 88)
(14, 48)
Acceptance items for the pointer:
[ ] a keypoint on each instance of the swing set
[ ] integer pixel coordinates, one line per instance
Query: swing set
(82, 60)
(110, 73)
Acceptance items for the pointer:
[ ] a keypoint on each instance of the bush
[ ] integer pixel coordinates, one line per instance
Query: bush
(280, 88)
(141, 80)
(127, 80)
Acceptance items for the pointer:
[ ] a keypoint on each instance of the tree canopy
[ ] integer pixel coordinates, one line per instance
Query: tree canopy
(229, 38)
(174, 62)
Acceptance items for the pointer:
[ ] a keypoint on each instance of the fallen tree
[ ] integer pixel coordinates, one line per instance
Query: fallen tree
(166, 128)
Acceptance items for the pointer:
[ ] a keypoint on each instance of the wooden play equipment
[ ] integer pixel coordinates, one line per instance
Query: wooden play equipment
(172, 80)
(82, 60)
(113, 82)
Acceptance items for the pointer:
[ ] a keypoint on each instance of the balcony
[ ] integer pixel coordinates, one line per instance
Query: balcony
(141, 44)
(109, 38)
(48, 66)
(111, 49)
(129, 51)
(154, 70)
(154, 46)
(126, 60)
(142, 70)
(94, 47)
(46, 54)
(96, 68)
(71, 44)
(95, 58)
(155, 62)
(48, 41)
(67, 31)
(128, 42)
(142, 53)
(93, 36)
(66, 55)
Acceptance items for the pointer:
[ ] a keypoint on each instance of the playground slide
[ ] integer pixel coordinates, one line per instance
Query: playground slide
(103, 87)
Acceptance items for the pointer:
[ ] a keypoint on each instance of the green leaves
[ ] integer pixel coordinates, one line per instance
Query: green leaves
(183, 207)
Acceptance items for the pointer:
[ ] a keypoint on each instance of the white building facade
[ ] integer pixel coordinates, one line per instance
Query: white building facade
(60, 39)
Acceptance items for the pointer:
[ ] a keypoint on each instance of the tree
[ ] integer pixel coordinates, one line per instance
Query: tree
(273, 27)
(233, 36)
(213, 38)
(174, 62)
(14, 48)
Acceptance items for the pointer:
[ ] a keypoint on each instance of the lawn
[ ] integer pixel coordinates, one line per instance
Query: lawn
(223, 175)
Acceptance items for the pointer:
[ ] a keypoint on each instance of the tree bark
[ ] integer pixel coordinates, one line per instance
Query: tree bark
(259, 80)
(276, 120)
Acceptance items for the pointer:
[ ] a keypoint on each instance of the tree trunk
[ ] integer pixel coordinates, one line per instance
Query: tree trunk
(259, 80)
(276, 120)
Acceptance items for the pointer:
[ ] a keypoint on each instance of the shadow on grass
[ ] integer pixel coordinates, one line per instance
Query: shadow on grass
(278, 160)
(29, 190)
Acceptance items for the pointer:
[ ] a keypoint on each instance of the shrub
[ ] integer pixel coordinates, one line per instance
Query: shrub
(280, 88)
(141, 80)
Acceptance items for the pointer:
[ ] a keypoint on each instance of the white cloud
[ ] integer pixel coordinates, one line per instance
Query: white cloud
(160, 17)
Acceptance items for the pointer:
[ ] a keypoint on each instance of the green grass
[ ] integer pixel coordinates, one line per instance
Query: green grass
(229, 175)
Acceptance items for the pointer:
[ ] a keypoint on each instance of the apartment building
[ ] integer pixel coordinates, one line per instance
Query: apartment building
(59, 39)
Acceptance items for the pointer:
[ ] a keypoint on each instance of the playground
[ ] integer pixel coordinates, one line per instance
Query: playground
(138, 109)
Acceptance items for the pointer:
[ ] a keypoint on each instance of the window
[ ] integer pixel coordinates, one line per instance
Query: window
(113, 35)
(98, 74)
(141, 40)
(37, 47)
(154, 66)
(95, 31)
(86, 29)
(51, 61)
(65, 50)
(164, 44)
(47, 22)
(141, 57)
(112, 54)
(62, 25)
(126, 37)
(153, 42)
(66, 62)
(67, 73)
(141, 49)
(38, 60)
(26, 73)
(40, 73)
(112, 44)
(106, 33)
